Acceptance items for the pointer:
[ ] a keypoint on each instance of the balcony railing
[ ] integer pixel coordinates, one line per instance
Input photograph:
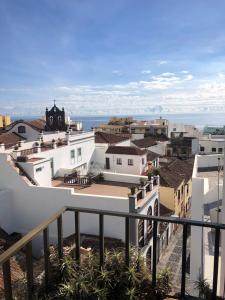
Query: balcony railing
(26, 243)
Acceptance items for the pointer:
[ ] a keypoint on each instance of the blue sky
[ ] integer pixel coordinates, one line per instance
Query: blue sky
(107, 57)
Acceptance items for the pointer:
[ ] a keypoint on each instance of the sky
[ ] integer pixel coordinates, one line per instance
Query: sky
(100, 57)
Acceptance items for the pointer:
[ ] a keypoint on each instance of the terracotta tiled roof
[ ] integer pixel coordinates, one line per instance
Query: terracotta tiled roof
(10, 139)
(38, 124)
(125, 150)
(172, 174)
(109, 138)
(149, 141)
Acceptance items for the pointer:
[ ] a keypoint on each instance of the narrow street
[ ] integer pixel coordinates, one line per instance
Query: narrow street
(171, 258)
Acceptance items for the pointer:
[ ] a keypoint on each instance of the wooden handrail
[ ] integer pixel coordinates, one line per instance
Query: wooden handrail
(29, 236)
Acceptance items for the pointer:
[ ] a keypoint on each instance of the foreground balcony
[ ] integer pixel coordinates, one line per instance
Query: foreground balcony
(128, 256)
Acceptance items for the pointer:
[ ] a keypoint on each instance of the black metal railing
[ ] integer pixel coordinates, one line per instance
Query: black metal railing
(26, 243)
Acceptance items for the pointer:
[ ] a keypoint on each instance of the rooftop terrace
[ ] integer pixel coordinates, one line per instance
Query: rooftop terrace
(105, 188)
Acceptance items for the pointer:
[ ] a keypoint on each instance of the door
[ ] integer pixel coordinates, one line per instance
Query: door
(107, 163)
(52, 166)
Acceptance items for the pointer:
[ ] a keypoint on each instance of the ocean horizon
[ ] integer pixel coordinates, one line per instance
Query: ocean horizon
(198, 119)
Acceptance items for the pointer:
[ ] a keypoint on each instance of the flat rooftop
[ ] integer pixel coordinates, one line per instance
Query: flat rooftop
(105, 188)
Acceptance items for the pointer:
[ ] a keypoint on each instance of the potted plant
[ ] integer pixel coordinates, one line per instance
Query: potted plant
(16, 147)
(132, 189)
(142, 182)
(101, 177)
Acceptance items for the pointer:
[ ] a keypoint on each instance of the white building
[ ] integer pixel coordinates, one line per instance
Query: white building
(102, 142)
(127, 160)
(152, 143)
(207, 197)
(35, 182)
(211, 144)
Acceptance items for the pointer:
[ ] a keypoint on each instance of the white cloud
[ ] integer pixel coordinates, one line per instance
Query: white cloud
(172, 91)
(146, 72)
(184, 72)
(163, 62)
(188, 77)
(117, 72)
(221, 75)
(167, 74)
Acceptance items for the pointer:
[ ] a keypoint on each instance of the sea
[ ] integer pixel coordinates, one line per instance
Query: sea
(200, 120)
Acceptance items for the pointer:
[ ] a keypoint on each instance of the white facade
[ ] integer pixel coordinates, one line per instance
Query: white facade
(127, 164)
(211, 144)
(30, 134)
(99, 154)
(28, 205)
(78, 155)
(204, 202)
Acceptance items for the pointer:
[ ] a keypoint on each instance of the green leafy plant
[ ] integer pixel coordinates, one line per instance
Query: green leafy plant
(164, 286)
(203, 288)
(111, 282)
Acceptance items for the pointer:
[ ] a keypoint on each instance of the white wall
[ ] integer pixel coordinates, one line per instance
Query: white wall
(31, 205)
(30, 134)
(209, 143)
(6, 218)
(160, 148)
(99, 154)
(205, 161)
(136, 169)
(119, 177)
(40, 171)
(62, 155)
(202, 193)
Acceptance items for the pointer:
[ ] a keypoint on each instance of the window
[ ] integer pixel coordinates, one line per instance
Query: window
(143, 161)
(213, 149)
(187, 188)
(182, 190)
(79, 154)
(174, 129)
(72, 156)
(39, 169)
(202, 149)
(220, 150)
(21, 129)
(119, 161)
(130, 162)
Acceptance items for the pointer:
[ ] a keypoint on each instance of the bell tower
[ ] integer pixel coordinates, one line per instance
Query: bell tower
(55, 119)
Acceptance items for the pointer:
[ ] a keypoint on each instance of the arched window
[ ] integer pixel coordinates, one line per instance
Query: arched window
(156, 208)
(141, 232)
(21, 129)
(51, 120)
(59, 120)
(149, 224)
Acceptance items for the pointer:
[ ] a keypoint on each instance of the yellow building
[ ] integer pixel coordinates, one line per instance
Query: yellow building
(176, 186)
(4, 121)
